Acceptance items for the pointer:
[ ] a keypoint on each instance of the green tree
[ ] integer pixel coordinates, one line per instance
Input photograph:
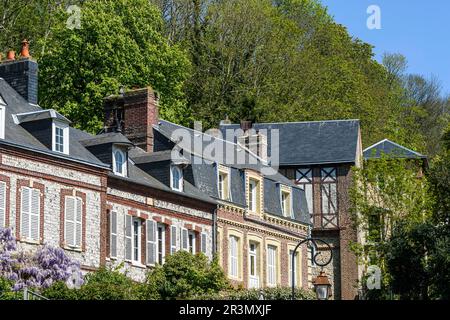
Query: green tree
(120, 43)
(185, 276)
(387, 198)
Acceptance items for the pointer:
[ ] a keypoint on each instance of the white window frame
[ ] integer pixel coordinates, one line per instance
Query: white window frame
(254, 281)
(123, 168)
(30, 196)
(133, 238)
(173, 239)
(252, 195)
(223, 184)
(65, 129)
(2, 120)
(180, 179)
(76, 223)
(233, 254)
(191, 235)
(272, 265)
(161, 247)
(112, 235)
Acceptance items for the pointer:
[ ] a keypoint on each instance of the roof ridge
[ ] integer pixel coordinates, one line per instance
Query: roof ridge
(296, 122)
(219, 139)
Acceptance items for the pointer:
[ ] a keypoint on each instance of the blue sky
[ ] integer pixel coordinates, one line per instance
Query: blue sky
(418, 29)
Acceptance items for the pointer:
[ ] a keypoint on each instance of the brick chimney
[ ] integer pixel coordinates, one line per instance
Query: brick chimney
(21, 74)
(133, 113)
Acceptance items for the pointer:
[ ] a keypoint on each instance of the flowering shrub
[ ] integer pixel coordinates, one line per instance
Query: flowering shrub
(36, 270)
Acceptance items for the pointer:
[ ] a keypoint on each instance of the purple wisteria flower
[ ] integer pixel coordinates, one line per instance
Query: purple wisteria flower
(36, 270)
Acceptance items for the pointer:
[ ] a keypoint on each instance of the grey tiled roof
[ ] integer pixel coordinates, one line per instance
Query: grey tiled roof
(204, 172)
(110, 137)
(40, 115)
(16, 135)
(390, 149)
(312, 142)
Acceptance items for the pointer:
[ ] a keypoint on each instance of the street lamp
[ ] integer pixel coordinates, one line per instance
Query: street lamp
(321, 284)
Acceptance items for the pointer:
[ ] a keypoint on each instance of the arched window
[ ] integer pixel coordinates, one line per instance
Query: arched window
(119, 162)
(176, 179)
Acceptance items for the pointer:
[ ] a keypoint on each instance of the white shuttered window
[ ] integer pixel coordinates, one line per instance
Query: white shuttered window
(30, 214)
(203, 243)
(73, 221)
(184, 239)
(173, 240)
(128, 237)
(234, 259)
(113, 234)
(2, 204)
(271, 266)
(151, 242)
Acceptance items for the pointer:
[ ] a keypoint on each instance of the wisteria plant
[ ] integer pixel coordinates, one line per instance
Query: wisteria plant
(37, 270)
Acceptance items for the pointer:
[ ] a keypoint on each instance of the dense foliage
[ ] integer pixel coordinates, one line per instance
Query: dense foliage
(405, 219)
(262, 60)
(185, 276)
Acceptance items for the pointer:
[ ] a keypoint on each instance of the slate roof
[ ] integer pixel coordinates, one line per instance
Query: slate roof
(311, 142)
(110, 137)
(391, 149)
(204, 170)
(17, 136)
(40, 115)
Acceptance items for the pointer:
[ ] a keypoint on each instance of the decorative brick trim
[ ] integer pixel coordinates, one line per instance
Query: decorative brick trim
(27, 183)
(188, 226)
(167, 221)
(66, 193)
(157, 219)
(161, 211)
(198, 229)
(7, 181)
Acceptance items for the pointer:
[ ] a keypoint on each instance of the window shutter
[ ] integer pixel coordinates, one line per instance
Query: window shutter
(25, 213)
(203, 242)
(151, 242)
(70, 221)
(184, 237)
(78, 222)
(34, 214)
(233, 256)
(113, 235)
(173, 239)
(2, 204)
(128, 236)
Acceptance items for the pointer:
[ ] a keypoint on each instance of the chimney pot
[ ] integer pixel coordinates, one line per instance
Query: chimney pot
(25, 52)
(11, 55)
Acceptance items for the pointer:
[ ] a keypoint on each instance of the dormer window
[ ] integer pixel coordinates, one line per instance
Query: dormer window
(119, 162)
(223, 179)
(60, 139)
(286, 204)
(176, 178)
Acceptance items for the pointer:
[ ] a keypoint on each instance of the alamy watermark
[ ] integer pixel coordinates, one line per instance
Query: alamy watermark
(236, 147)
(374, 19)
